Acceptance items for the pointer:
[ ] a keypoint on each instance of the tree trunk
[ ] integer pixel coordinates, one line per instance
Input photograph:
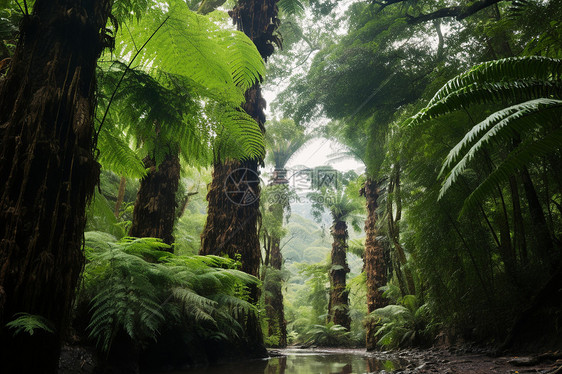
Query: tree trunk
(539, 227)
(338, 307)
(375, 266)
(48, 173)
(519, 240)
(274, 308)
(233, 211)
(155, 207)
(120, 196)
(231, 230)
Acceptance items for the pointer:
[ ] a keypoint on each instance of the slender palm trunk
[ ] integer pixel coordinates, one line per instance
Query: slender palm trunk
(338, 306)
(48, 173)
(120, 196)
(274, 308)
(155, 207)
(539, 228)
(375, 266)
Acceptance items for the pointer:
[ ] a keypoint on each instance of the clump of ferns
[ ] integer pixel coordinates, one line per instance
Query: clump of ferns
(134, 286)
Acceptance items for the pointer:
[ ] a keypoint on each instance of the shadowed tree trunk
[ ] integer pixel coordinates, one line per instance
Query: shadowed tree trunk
(155, 207)
(375, 266)
(338, 306)
(539, 227)
(274, 308)
(48, 173)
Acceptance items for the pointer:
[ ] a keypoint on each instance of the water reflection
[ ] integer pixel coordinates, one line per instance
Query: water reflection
(306, 362)
(328, 363)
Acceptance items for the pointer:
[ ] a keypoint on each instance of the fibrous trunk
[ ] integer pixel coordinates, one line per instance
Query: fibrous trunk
(338, 307)
(48, 173)
(155, 207)
(231, 230)
(231, 227)
(375, 266)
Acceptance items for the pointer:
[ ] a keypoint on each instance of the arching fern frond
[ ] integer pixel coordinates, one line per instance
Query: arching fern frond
(118, 155)
(291, 7)
(238, 135)
(190, 45)
(502, 125)
(533, 83)
(524, 154)
(510, 79)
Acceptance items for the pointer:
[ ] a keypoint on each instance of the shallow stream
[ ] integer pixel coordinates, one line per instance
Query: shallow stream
(307, 361)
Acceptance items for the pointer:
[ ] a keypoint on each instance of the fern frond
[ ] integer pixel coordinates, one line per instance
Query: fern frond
(503, 125)
(29, 323)
(291, 7)
(513, 79)
(191, 45)
(524, 154)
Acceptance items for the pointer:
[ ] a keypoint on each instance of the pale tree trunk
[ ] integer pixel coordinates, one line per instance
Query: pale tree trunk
(48, 173)
(120, 196)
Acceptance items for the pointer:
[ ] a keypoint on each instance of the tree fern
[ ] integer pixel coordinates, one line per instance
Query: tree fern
(510, 79)
(502, 125)
(533, 84)
(135, 286)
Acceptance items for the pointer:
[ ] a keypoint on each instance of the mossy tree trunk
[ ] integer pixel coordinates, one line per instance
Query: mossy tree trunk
(375, 266)
(48, 173)
(338, 305)
(155, 207)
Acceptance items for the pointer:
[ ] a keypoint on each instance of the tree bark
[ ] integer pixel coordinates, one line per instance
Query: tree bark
(155, 207)
(48, 173)
(375, 266)
(231, 230)
(120, 196)
(231, 226)
(338, 306)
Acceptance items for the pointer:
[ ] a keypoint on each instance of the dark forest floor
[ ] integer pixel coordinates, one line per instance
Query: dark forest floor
(476, 361)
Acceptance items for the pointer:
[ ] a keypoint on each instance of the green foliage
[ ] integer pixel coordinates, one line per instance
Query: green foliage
(403, 325)
(328, 335)
(283, 139)
(227, 63)
(534, 83)
(340, 204)
(135, 286)
(29, 323)
(291, 7)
